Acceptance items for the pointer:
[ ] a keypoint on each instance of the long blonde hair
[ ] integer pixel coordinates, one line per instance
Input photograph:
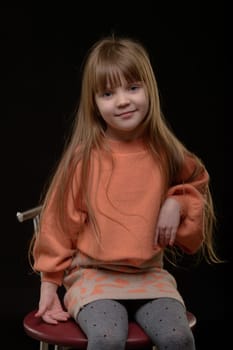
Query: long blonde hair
(108, 60)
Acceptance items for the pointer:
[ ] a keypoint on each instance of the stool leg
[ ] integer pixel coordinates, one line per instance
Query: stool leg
(44, 346)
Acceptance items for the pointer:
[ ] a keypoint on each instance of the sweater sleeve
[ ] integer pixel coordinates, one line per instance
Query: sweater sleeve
(191, 196)
(54, 246)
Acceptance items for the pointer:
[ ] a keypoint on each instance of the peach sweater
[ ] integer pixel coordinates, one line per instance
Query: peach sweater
(126, 197)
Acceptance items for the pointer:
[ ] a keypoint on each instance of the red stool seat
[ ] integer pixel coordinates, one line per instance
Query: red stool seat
(69, 334)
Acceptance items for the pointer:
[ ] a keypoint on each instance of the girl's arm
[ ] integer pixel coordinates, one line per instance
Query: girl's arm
(55, 243)
(190, 193)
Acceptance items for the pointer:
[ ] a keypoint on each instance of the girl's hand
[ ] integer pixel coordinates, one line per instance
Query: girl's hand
(167, 224)
(50, 308)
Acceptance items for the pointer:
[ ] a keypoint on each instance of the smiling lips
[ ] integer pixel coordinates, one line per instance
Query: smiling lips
(125, 114)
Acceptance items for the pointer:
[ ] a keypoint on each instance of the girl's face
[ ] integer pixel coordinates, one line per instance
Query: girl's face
(123, 108)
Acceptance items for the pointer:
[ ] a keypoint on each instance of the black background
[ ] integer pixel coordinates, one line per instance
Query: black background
(41, 55)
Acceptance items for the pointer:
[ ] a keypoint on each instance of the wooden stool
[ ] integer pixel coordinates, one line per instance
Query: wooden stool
(69, 335)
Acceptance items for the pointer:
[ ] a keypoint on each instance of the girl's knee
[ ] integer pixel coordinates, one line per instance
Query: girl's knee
(175, 340)
(106, 342)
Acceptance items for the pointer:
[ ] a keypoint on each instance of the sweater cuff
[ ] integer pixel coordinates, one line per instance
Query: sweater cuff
(54, 277)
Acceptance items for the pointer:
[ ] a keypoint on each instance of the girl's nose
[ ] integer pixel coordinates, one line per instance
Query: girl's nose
(122, 99)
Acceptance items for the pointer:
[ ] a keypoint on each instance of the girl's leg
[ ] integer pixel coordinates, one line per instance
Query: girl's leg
(105, 322)
(165, 322)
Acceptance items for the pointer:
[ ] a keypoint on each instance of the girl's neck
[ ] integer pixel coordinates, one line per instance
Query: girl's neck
(123, 136)
(126, 146)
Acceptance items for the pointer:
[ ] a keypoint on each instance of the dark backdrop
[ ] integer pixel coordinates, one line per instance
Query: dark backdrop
(41, 53)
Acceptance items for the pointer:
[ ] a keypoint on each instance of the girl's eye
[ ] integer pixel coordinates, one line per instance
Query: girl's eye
(134, 87)
(107, 94)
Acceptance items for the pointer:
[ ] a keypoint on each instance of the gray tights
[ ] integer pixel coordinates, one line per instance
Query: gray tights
(105, 322)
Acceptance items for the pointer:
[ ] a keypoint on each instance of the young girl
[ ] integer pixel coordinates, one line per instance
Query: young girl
(125, 190)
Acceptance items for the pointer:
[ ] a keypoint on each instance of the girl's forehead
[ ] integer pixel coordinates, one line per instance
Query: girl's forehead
(114, 77)
(119, 79)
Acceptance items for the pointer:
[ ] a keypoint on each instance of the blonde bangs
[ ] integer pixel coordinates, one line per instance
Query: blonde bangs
(113, 73)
